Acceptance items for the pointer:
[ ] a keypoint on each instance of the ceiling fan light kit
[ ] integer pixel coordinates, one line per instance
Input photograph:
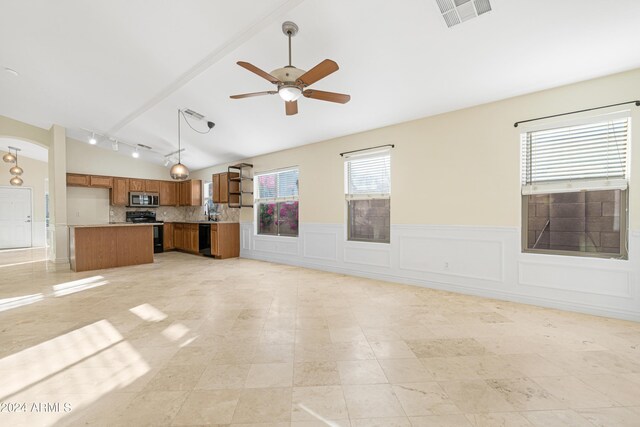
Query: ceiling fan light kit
(292, 82)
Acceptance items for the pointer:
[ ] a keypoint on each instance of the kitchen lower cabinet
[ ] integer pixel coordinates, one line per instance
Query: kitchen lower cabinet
(225, 240)
(167, 236)
(185, 237)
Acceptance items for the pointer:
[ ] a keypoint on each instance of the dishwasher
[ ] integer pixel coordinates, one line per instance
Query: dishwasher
(204, 239)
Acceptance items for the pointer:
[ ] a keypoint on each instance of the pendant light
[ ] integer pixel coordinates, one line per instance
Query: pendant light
(179, 171)
(16, 170)
(9, 157)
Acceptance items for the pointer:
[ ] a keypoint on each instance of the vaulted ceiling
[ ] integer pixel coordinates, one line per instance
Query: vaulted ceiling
(121, 68)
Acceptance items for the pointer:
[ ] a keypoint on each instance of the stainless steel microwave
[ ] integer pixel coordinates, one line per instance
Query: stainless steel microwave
(144, 200)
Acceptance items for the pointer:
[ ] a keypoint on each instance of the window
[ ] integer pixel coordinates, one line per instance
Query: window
(277, 203)
(574, 187)
(368, 192)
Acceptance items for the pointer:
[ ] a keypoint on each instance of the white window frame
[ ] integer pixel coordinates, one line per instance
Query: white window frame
(257, 200)
(577, 185)
(377, 152)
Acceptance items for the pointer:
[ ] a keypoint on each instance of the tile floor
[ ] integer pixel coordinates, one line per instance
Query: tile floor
(190, 341)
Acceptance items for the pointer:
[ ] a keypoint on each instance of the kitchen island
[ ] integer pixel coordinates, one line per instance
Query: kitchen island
(94, 247)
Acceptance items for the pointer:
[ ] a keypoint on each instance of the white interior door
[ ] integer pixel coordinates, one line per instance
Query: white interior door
(15, 217)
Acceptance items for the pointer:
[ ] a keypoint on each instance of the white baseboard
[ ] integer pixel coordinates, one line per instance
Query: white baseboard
(482, 261)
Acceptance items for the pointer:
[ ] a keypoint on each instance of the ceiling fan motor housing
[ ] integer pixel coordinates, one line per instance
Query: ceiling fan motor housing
(288, 75)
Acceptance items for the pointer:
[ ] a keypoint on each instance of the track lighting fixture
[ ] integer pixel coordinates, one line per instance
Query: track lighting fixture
(93, 140)
(135, 153)
(114, 145)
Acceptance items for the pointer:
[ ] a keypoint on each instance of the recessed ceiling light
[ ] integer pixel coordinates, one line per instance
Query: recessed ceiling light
(11, 71)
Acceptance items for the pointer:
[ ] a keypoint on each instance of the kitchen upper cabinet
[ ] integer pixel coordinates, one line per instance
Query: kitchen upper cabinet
(136, 184)
(167, 236)
(223, 183)
(120, 192)
(168, 193)
(215, 184)
(190, 193)
(76, 180)
(151, 186)
(101, 181)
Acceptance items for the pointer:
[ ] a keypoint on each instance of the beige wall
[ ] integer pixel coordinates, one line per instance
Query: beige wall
(458, 168)
(87, 205)
(85, 158)
(27, 132)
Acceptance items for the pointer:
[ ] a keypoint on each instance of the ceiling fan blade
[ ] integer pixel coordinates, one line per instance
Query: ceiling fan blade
(291, 107)
(318, 72)
(249, 95)
(327, 96)
(258, 71)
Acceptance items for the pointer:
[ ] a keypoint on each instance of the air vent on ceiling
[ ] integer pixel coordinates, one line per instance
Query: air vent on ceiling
(457, 11)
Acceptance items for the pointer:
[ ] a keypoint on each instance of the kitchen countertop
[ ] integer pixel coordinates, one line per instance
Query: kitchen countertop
(203, 222)
(115, 224)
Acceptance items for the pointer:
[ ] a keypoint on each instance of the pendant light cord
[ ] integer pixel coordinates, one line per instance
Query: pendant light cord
(179, 146)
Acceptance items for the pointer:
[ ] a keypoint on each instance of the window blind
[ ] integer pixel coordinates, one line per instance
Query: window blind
(277, 186)
(368, 176)
(582, 157)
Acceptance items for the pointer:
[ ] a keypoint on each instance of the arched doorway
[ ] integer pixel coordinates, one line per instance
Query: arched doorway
(24, 208)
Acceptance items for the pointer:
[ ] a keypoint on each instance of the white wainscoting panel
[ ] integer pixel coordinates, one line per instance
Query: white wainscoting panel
(484, 261)
(321, 245)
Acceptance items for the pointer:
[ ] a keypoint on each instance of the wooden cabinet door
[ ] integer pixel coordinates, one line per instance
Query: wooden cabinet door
(195, 198)
(215, 251)
(193, 238)
(101, 181)
(151, 186)
(182, 193)
(136, 184)
(178, 236)
(167, 236)
(168, 193)
(190, 193)
(215, 183)
(75, 180)
(224, 188)
(120, 192)
(228, 240)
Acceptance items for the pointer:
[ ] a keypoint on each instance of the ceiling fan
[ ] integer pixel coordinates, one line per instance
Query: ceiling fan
(292, 82)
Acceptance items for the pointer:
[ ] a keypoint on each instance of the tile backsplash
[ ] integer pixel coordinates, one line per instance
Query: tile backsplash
(176, 214)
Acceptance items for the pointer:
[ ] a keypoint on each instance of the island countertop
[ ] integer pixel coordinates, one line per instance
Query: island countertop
(115, 224)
